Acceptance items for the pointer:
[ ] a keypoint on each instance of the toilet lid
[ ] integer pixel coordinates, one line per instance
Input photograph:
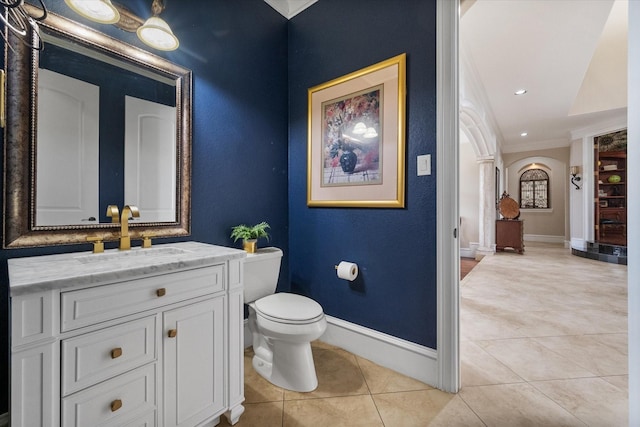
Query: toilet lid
(288, 308)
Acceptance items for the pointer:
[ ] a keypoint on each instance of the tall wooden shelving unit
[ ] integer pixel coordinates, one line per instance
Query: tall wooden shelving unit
(610, 196)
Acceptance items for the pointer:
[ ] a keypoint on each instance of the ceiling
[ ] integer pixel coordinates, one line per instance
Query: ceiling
(570, 55)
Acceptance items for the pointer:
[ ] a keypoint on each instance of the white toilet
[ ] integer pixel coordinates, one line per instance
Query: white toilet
(283, 325)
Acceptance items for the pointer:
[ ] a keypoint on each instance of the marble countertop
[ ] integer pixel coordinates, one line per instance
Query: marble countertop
(39, 273)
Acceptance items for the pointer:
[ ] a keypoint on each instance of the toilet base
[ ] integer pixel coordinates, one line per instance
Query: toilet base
(282, 358)
(293, 368)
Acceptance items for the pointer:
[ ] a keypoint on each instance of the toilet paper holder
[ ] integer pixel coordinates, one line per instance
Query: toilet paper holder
(347, 270)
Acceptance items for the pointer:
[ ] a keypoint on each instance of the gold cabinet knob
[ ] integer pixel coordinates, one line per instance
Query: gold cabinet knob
(161, 292)
(115, 405)
(116, 352)
(172, 333)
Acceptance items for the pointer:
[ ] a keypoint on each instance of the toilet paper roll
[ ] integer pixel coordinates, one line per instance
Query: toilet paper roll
(347, 270)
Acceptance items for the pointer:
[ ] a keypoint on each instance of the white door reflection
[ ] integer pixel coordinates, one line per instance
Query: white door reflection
(150, 159)
(67, 148)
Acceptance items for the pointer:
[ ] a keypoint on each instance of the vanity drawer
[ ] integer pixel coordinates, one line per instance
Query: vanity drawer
(147, 420)
(116, 402)
(91, 358)
(93, 305)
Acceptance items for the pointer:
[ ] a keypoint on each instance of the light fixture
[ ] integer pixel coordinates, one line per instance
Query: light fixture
(21, 24)
(155, 32)
(101, 11)
(524, 134)
(520, 92)
(574, 171)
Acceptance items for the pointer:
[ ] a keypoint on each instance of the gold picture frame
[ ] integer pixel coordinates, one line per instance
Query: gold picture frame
(356, 138)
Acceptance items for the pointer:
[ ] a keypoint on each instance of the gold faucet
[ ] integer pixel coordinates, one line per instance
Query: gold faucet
(125, 239)
(114, 213)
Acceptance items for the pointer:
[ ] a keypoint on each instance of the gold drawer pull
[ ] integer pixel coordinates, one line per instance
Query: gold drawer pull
(172, 333)
(161, 292)
(116, 352)
(115, 405)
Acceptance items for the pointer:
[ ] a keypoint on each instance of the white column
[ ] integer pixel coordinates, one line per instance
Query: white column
(487, 208)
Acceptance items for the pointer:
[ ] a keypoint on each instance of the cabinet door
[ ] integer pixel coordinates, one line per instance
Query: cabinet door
(193, 350)
(34, 387)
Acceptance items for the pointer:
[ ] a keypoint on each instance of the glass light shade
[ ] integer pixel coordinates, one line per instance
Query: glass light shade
(370, 133)
(359, 129)
(101, 11)
(155, 32)
(574, 170)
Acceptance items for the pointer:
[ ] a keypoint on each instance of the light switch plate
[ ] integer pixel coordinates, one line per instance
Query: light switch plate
(424, 164)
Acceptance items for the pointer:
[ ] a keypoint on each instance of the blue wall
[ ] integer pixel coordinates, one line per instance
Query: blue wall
(395, 248)
(238, 53)
(251, 74)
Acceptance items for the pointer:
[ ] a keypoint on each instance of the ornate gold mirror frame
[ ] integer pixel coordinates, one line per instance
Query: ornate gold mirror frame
(20, 156)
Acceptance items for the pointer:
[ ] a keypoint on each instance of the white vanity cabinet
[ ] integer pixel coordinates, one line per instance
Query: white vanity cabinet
(136, 339)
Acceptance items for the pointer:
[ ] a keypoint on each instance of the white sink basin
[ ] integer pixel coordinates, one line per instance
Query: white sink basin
(131, 254)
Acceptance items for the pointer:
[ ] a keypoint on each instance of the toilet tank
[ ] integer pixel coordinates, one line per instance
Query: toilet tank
(261, 271)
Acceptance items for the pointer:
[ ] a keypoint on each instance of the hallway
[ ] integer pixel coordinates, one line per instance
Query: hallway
(544, 339)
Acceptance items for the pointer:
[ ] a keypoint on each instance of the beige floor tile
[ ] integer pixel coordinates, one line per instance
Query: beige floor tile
(595, 401)
(424, 407)
(338, 375)
(515, 405)
(593, 321)
(383, 380)
(533, 361)
(477, 367)
(268, 414)
(480, 326)
(349, 411)
(620, 381)
(256, 388)
(589, 352)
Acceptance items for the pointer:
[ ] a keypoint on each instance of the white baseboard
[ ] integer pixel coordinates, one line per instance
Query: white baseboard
(402, 356)
(579, 244)
(4, 420)
(467, 253)
(543, 238)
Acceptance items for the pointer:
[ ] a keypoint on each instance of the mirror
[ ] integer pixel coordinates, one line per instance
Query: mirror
(133, 147)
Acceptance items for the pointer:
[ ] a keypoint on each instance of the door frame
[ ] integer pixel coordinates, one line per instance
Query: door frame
(447, 198)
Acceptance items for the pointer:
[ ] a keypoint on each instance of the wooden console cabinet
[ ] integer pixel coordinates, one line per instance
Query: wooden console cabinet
(509, 234)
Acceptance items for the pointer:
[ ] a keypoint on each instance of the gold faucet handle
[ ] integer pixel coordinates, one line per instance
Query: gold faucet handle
(114, 213)
(98, 243)
(132, 210)
(146, 239)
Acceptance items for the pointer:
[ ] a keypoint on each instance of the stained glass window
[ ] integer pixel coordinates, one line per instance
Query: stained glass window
(534, 189)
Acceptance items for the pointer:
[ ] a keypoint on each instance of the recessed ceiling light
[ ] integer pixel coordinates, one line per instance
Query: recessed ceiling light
(524, 134)
(520, 92)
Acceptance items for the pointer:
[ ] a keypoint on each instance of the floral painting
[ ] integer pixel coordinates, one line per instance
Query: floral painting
(351, 129)
(356, 138)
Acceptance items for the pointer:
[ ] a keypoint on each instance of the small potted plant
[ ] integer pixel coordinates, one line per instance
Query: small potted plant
(250, 235)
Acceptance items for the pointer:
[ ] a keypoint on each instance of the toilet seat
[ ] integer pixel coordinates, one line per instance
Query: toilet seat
(288, 308)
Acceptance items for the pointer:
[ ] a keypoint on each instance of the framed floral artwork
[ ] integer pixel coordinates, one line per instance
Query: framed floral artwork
(356, 138)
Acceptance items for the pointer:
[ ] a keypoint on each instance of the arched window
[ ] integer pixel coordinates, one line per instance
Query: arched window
(534, 189)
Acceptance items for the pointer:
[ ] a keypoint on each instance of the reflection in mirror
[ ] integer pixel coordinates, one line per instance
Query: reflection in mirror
(112, 126)
(108, 136)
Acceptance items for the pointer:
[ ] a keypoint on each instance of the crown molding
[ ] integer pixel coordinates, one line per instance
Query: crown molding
(289, 8)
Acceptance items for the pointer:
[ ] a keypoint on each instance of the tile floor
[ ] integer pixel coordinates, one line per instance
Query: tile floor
(543, 343)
